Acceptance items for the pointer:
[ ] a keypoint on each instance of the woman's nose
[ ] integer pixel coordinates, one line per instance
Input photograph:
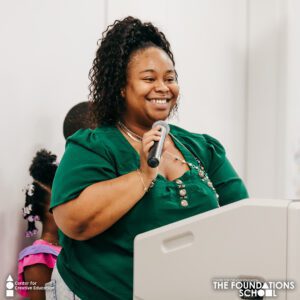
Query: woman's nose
(161, 87)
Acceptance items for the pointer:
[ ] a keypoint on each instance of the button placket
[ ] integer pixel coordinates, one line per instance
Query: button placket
(182, 193)
(201, 172)
(204, 177)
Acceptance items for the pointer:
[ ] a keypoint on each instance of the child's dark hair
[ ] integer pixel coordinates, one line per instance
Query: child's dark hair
(42, 170)
(43, 167)
(79, 116)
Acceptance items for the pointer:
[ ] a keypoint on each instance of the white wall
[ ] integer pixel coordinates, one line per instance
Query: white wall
(266, 96)
(273, 130)
(47, 48)
(292, 146)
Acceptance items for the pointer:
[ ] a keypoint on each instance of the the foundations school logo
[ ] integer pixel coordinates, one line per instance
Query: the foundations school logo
(250, 288)
(10, 291)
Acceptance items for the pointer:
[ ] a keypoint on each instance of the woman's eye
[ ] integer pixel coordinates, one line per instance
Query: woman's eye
(171, 79)
(149, 79)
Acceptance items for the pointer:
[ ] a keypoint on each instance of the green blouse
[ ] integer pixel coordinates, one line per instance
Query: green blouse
(102, 266)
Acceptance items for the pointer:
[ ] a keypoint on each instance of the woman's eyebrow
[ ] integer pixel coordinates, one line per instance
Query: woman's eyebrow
(171, 71)
(147, 70)
(152, 70)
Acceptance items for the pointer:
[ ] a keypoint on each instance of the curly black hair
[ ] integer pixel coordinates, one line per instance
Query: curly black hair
(43, 167)
(109, 71)
(42, 170)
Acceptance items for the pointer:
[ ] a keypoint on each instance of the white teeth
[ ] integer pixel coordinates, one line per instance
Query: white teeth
(159, 101)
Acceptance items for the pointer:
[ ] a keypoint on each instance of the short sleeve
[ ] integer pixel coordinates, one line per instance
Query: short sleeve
(41, 258)
(228, 184)
(86, 161)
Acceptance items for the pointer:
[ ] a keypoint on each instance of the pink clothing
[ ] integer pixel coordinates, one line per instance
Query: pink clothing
(41, 252)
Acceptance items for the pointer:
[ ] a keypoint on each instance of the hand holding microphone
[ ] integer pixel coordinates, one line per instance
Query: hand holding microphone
(156, 150)
(153, 142)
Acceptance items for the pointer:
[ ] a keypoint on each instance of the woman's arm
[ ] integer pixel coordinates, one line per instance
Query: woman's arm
(37, 276)
(102, 204)
(228, 184)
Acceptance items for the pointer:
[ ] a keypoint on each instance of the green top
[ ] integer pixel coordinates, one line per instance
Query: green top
(103, 266)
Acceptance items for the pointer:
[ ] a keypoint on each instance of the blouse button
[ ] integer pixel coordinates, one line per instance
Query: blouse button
(178, 181)
(182, 192)
(184, 203)
(201, 174)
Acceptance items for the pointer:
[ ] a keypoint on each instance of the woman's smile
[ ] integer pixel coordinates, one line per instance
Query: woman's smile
(160, 103)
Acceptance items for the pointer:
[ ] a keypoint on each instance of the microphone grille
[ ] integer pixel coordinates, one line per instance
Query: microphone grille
(163, 124)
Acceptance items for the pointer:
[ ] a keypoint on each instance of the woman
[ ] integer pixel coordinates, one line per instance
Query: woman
(104, 192)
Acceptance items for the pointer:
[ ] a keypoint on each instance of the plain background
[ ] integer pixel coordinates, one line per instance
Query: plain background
(238, 64)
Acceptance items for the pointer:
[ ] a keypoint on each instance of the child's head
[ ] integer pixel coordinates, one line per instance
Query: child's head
(42, 169)
(79, 116)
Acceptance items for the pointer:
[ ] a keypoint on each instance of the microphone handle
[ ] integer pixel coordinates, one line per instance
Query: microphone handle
(153, 161)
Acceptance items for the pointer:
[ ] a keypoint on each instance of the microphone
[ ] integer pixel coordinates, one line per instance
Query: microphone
(155, 151)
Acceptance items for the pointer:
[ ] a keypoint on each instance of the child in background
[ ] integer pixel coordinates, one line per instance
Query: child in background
(37, 261)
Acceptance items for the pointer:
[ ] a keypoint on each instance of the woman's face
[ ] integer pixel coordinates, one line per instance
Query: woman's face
(151, 90)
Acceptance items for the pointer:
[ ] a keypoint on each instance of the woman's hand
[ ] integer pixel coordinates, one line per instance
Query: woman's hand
(149, 138)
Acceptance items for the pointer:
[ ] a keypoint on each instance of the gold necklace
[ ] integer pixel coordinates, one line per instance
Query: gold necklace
(135, 137)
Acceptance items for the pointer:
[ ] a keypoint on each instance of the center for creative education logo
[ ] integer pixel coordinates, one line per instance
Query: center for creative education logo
(9, 292)
(11, 287)
(250, 288)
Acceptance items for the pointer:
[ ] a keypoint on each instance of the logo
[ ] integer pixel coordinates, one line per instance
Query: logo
(253, 288)
(10, 287)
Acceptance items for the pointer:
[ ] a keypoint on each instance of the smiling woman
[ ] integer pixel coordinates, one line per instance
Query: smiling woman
(151, 91)
(104, 192)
